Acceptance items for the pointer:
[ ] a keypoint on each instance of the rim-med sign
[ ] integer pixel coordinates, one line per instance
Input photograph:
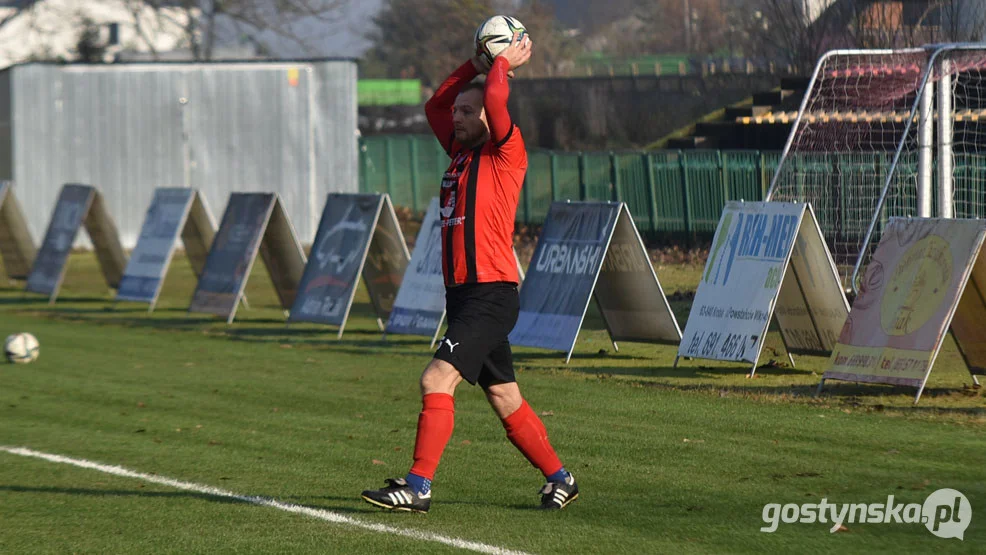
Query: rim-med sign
(765, 256)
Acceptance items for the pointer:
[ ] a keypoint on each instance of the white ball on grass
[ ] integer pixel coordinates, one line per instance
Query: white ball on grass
(21, 348)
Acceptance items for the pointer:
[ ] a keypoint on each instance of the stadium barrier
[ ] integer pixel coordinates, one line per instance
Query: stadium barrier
(670, 193)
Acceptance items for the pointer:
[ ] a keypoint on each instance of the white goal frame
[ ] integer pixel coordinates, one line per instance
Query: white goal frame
(921, 112)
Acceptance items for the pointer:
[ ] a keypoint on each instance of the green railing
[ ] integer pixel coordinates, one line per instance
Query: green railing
(668, 192)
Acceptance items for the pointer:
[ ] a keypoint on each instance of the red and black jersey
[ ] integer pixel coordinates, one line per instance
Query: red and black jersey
(481, 188)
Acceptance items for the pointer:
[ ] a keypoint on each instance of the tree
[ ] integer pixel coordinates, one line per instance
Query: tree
(788, 31)
(424, 39)
(693, 26)
(427, 39)
(791, 31)
(552, 48)
(89, 47)
(294, 20)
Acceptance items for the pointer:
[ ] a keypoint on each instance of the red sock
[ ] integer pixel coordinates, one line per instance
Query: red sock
(526, 431)
(435, 425)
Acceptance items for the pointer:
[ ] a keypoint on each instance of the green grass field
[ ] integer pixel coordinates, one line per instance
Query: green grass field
(680, 460)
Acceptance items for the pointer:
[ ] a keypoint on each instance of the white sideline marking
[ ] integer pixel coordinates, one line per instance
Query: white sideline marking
(321, 514)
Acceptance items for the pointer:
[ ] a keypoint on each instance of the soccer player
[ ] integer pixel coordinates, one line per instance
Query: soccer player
(479, 195)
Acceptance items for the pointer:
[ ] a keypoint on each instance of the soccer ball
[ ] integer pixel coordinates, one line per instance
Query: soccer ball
(495, 34)
(21, 348)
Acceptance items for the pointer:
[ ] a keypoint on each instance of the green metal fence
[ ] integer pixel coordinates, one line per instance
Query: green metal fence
(668, 192)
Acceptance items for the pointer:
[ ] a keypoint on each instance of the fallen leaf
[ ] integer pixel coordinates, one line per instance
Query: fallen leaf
(397, 448)
(275, 409)
(375, 461)
(466, 442)
(285, 345)
(548, 413)
(893, 452)
(838, 527)
(189, 364)
(214, 442)
(140, 404)
(922, 485)
(694, 440)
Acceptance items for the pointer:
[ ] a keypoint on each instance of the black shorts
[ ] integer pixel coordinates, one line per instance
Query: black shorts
(480, 316)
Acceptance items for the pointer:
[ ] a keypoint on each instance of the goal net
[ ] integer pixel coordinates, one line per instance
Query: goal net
(859, 134)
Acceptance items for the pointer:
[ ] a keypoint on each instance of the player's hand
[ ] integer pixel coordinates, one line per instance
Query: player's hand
(519, 51)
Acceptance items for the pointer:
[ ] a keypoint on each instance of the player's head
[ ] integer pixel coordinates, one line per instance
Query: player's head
(469, 116)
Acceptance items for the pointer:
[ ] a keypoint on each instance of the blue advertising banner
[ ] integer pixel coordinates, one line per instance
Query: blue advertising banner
(562, 274)
(232, 254)
(329, 282)
(49, 265)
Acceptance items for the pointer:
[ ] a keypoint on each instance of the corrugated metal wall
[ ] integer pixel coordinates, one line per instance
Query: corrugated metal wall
(283, 127)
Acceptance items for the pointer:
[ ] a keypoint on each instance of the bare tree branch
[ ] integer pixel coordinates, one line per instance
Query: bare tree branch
(250, 18)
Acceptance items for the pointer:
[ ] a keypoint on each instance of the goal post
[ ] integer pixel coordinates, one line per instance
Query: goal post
(883, 133)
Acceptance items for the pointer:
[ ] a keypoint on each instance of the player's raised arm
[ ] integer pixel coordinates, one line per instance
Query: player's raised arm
(438, 109)
(497, 91)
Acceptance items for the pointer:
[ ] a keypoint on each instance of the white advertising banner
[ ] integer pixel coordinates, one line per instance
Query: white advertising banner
(420, 304)
(742, 276)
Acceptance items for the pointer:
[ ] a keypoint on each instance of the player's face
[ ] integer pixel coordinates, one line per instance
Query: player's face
(469, 118)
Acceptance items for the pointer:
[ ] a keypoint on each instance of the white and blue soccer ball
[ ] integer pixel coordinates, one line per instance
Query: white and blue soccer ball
(495, 34)
(21, 348)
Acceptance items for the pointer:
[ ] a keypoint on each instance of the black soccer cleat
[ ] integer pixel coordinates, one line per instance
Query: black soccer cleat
(557, 495)
(398, 496)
